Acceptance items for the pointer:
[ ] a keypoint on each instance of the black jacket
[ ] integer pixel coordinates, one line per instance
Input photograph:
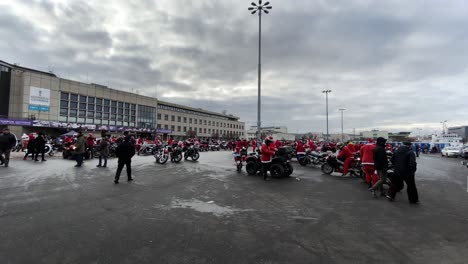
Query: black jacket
(380, 158)
(125, 150)
(7, 141)
(39, 143)
(404, 161)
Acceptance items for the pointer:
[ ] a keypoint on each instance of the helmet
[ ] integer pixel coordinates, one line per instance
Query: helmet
(340, 145)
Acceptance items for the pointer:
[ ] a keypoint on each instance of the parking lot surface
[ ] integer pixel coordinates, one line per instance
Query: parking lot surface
(206, 212)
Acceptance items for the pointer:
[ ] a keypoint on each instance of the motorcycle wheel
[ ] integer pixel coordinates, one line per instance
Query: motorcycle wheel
(163, 159)
(251, 168)
(51, 153)
(303, 161)
(178, 158)
(195, 156)
(327, 169)
(288, 170)
(276, 171)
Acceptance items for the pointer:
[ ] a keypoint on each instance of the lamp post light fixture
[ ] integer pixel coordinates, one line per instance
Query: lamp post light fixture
(342, 134)
(260, 8)
(326, 92)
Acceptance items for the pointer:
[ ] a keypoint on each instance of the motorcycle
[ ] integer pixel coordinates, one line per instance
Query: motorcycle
(147, 149)
(312, 157)
(214, 146)
(191, 152)
(162, 155)
(333, 164)
(176, 154)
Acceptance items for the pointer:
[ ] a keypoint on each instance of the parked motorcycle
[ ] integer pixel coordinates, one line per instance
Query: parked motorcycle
(162, 155)
(147, 149)
(214, 147)
(312, 157)
(191, 152)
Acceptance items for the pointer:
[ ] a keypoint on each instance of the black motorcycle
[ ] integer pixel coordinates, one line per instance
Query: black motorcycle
(148, 149)
(191, 152)
(176, 154)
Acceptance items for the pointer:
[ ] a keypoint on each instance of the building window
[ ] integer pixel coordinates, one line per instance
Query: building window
(159, 126)
(178, 129)
(82, 113)
(204, 130)
(173, 128)
(63, 104)
(106, 102)
(209, 123)
(185, 120)
(114, 103)
(64, 96)
(166, 117)
(159, 116)
(185, 129)
(91, 100)
(173, 118)
(63, 111)
(200, 130)
(204, 122)
(74, 97)
(190, 120)
(179, 119)
(73, 112)
(190, 128)
(166, 127)
(73, 105)
(82, 99)
(196, 121)
(114, 110)
(121, 104)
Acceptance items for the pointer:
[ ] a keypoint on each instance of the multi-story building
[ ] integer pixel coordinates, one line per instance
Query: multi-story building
(461, 131)
(32, 100)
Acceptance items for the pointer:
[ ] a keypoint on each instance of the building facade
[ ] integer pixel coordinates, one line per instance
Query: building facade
(32, 100)
(374, 134)
(278, 133)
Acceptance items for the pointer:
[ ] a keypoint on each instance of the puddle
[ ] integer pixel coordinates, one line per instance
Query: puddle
(206, 207)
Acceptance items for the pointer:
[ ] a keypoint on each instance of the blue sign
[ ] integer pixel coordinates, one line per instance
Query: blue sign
(39, 108)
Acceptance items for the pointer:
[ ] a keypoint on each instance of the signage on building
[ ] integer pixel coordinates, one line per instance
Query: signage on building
(39, 99)
(15, 122)
(163, 131)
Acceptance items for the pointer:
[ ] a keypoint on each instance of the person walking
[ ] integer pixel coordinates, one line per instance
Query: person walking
(405, 164)
(380, 164)
(7, 142)
(268, 151)
(124, 152)
(31, 147)
(39, 146)
(80, 146)
(103, 152)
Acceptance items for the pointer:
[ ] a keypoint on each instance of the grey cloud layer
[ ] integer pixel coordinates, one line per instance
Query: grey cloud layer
(386, 62)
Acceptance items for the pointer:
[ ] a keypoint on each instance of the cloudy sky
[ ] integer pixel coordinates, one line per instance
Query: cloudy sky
(394, 65)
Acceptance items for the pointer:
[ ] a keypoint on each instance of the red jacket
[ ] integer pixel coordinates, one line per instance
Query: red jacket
(267, 153)
(311, 144)
(300, 147)
(278, 144)
(90, 141)
(254, 143)
(238, 144)
(345, 153)
(367, 154)
(245, 143)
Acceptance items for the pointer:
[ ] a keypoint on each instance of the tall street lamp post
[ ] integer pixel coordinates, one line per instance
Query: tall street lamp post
(260, 8)
(443, 126)
(342, 134)
(326, 96)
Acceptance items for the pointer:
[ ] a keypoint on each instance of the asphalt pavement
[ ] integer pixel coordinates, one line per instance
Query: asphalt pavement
(206, 212)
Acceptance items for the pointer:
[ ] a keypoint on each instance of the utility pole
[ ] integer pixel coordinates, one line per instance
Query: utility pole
(326, 92)
(342, 133)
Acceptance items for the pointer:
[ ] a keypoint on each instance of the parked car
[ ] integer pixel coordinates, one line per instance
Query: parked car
(464, 153)
(450, 152)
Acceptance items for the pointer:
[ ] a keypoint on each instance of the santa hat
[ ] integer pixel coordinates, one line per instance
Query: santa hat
(370, 140)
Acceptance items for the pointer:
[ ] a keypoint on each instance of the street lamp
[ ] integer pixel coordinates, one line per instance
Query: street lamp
(326, 94)
(260, 8)
(342, 134)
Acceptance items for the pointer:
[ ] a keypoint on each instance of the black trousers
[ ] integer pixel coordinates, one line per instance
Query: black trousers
(29, 151)
(121, 164)
(398, 183)
(39, 151)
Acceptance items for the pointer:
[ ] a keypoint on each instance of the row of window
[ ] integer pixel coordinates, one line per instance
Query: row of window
(200, 122)
(182, 110)
(199, 130)
(92, 121)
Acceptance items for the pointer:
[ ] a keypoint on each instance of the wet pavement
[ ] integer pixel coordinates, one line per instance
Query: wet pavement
(206, 212)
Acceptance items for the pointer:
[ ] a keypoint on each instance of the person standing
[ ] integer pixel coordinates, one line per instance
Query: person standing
(31, 147)
(367, 158)
(268, 152)
(40, 146)
(125, 151)
(103, 152)
(380, 164)
(7, 142)
(90, 145)
(80, 146)
(254, 144)
(405, 164)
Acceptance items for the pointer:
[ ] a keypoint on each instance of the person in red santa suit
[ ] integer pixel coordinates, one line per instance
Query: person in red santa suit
(238, 145)
(254, 144)
(367, 159)
(300, 148)
(170, 141)
(268, 151)
(346, 155)
(311, 144)
(245, 143)
(90, 143)
(278, 143)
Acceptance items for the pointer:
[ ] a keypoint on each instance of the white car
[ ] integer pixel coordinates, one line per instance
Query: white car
(450, 152)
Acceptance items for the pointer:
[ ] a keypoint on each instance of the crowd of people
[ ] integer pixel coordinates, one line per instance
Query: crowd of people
(374, 158)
